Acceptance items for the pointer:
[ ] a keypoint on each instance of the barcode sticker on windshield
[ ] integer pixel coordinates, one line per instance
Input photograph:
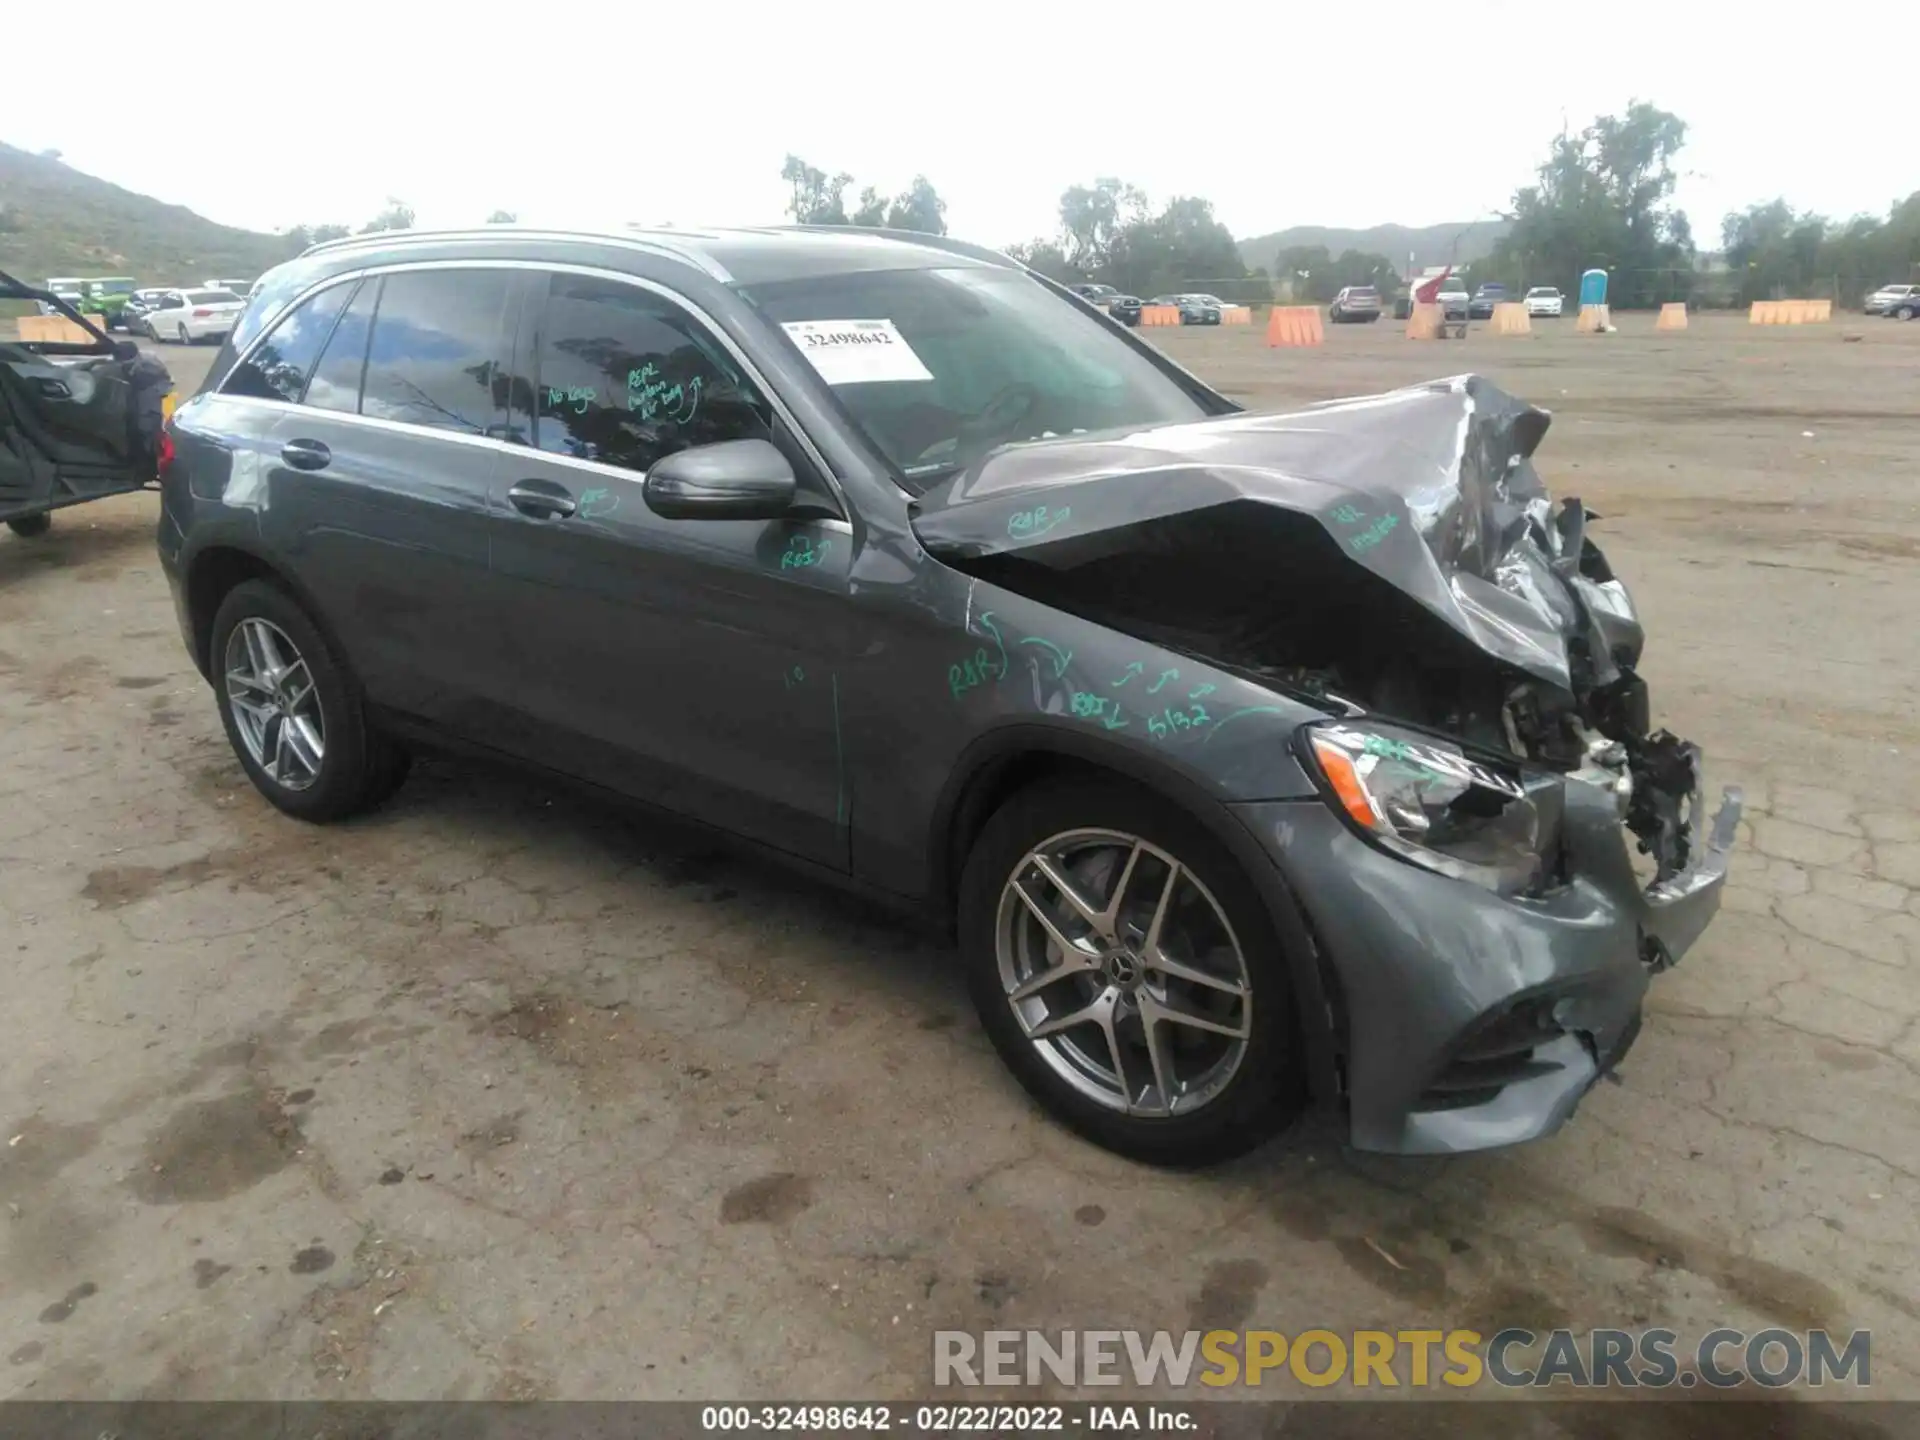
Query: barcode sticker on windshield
(856, 352)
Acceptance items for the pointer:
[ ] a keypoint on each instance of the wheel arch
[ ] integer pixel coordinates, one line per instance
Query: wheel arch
(211, 576)
(1007, 760)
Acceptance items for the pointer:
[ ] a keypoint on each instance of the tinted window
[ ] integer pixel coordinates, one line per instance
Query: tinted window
(213, 297)
(626, 377)
(336, 380)
(436, 348)
(278, 369)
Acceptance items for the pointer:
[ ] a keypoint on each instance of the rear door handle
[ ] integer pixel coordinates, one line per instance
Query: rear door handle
(306, 454)
(542, 499)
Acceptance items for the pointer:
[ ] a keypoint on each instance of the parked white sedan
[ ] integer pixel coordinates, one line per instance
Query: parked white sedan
(1543, 300)
(191, 315)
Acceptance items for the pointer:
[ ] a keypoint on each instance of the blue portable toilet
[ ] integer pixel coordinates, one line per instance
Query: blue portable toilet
(1593, 288)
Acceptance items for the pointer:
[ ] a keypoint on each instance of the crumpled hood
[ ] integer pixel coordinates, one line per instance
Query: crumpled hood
(1432, 488)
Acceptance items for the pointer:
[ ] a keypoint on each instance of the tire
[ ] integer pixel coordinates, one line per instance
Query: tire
(183, 337)
(358, 767)
(31, 527)
(1247, 1095)
(1905, 312)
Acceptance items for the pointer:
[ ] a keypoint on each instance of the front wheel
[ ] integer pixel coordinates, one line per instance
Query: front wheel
(1905, 312)
(1129, 975)
(30, 527)
(292, 711)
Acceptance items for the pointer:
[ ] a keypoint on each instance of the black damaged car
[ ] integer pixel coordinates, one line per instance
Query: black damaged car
(1257, 761)
(80, 415)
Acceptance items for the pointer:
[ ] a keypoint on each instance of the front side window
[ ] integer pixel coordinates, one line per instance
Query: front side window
(626, 377)
(938, 366)
(437, 346)
(279, 366)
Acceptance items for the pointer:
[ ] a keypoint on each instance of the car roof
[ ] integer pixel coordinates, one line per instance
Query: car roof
(743, 256)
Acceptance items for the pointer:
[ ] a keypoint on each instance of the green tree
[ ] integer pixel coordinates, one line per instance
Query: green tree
(1772, 250)
(301, 238)
(1045, 256)
(919, 207)
(1092, 218)
(397, 216)
(817, 198)
(873, 209)
(1602, 199)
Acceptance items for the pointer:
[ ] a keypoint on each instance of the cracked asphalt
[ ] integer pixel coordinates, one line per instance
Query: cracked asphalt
(500, 1094)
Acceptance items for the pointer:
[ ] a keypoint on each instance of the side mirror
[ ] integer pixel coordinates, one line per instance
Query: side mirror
(125, 350)
(730, 480)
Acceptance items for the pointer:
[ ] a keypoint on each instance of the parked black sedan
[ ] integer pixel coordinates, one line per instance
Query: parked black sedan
(1484, 299)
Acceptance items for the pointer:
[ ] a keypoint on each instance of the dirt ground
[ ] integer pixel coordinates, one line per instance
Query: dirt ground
(500, 1094)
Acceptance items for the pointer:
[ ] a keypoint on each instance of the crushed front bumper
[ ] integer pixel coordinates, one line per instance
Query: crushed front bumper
(1467, 1020)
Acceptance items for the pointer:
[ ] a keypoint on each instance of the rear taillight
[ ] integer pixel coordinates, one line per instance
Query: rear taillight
(201, 314)
(163, 456)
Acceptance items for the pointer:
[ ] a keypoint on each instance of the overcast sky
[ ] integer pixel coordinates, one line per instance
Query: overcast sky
(267, 115)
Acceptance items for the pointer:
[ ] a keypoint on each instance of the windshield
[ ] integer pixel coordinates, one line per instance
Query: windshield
(940, 366)
(1363, 292)
(212, 297)
(113, 287)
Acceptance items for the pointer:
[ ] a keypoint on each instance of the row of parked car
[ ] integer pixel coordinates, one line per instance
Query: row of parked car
(1361, 304)
(188, 317)
(183, 314)
(1195, 309)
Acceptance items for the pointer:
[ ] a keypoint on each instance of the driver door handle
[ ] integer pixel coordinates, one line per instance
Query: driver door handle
(542, 500)
(306, 454)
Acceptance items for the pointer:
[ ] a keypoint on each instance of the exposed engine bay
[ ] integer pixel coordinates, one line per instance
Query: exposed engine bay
(1395, 555)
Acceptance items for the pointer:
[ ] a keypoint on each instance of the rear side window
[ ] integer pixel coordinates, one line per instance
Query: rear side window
(336, 379)
(436, 349)
(626, 377)
(279, 367)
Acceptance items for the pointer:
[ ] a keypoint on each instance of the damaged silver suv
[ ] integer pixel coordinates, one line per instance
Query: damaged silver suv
(1257, 760)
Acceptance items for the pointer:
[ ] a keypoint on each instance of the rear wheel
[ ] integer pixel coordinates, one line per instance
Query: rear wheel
(28, 527)
(182, 336)
(292, 711)
(1128, 973)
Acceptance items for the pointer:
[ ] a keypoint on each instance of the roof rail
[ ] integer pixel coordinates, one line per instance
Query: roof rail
(696, 258)
(915, 237)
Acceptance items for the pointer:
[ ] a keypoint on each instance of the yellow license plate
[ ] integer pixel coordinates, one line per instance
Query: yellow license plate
(167, 404)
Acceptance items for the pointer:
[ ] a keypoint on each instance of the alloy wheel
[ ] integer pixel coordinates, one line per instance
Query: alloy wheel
(275, 707)
(1124, 973)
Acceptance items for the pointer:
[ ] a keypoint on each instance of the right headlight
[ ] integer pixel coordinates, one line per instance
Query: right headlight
(1429, 802)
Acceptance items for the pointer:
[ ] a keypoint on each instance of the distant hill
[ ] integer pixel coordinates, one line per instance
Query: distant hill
(1431, 244)
(54, 220)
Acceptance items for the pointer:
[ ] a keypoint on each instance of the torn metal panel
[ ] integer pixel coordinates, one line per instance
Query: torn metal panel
(1431, 489)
